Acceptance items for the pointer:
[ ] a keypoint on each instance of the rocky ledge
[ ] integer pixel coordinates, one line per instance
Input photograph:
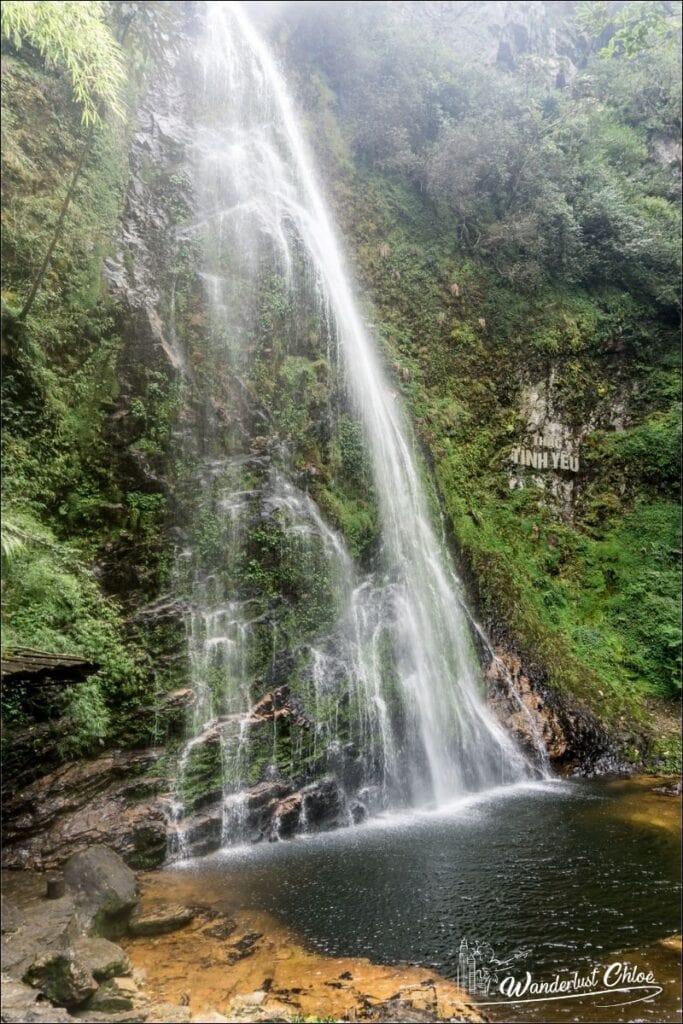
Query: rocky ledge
(123, 799)
(62, 960)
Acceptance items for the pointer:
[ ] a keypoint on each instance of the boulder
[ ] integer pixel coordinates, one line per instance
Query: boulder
(48, 926)
(105, 890)
(323, 804)
(62, 977)
(103, 958)
(38, 1014)
(160, 921)
(286, 815)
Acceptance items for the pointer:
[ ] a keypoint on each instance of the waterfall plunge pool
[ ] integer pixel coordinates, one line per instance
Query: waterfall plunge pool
(551, 877)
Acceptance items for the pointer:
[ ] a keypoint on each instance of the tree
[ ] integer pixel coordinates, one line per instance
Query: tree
(76, 36)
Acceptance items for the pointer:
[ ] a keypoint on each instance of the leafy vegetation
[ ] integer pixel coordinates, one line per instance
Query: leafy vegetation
(77, 36)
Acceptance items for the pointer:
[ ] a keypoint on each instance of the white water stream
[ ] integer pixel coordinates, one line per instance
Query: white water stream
(258, 190)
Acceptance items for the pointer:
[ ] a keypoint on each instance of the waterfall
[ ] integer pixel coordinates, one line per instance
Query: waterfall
(392, 681)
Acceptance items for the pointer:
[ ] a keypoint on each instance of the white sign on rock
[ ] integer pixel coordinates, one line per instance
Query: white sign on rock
(546, 451)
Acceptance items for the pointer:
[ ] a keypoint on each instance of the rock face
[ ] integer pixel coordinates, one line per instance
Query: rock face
(105, 891)
(523, 710)
(506, 34)
(111, 799)
(576, 741)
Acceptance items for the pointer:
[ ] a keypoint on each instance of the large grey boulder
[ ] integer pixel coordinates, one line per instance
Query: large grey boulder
(47, 926)
(62, 977)
(105, 891)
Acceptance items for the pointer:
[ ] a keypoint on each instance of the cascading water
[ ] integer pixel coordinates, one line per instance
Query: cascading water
(385, 690)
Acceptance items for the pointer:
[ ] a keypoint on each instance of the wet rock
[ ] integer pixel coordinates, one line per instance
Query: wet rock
(201, 834)
(62, 977)
(10, 915)
(323, 804)
(223, 930)
(105, 890)
(276, 705)
(359, 812)
(372, 798)
(286, 815)
(114, 996)
(522, 709)
(173, 709)
(265, 792)
(160, 921)
(243, 948)
(102, 957)
(109, 800)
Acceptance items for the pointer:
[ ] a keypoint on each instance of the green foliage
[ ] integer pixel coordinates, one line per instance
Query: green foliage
(64, 493)
(633, 27)
(651, 450)
(75, 35)
(12, 538)
(544, 185)
(53, 603)
(667, 756)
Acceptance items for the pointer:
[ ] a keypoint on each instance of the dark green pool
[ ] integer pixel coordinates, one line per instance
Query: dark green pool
(557, 876)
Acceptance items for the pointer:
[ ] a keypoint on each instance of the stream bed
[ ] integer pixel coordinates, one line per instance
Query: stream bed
(552, 877)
